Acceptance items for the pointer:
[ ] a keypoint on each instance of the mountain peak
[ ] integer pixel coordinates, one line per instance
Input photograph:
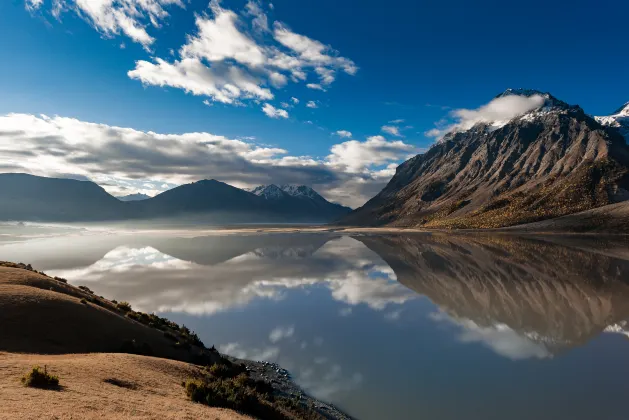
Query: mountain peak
(134, 197)
(549, 100)
(623, 111)
(300, 191)
(270, 192)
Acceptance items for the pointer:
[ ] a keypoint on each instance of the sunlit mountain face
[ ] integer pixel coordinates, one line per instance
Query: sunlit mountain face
(424, 324)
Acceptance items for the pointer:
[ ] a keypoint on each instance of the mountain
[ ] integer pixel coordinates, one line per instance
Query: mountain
(300, 200)
(552, 161)
(28, 197)
(618, 120)
(134, 197)
(33, 198)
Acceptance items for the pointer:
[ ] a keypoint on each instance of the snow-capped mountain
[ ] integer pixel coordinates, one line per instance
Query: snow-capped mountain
(619, 120)
(300, 199)
(516, 161)
(270, 192)
(134, 197)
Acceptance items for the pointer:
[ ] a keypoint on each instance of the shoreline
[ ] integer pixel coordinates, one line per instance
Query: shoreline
(188, 349)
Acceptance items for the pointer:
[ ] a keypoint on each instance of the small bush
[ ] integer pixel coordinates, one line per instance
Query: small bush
(61, 279)
(86, 289)
(124, 306)
(120, 383)
(83, 301)
(38, 378)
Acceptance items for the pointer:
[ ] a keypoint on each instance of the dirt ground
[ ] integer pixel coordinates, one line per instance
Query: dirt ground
(101, 386)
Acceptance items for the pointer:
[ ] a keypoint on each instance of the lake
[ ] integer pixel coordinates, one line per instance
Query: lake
(384, 326)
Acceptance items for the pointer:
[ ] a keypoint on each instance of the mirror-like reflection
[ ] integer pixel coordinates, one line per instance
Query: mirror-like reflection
(386, 326)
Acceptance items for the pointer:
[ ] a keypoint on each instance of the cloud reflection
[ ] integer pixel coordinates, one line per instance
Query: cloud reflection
(154, 281)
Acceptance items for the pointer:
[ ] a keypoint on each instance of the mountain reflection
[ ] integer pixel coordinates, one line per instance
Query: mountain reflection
(186, 275)
(522, 298)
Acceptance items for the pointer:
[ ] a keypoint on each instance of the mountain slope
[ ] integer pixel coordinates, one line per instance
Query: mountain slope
(619, 120)
(549, 162)
(203, 197)
(28, 197)
(300, 201)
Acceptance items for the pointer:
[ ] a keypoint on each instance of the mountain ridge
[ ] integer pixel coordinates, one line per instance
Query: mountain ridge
(33, 198)
(548, 162)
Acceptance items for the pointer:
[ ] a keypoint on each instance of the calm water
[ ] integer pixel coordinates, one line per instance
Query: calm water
(384, 326)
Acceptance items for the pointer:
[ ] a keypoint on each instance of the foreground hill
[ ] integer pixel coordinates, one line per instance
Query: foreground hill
(552, 161)
(32, 198)
(116, 363)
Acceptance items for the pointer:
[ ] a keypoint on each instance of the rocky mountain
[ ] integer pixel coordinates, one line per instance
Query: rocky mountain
(134, 197)
(28, 197)
(300, 199)
(619, 120)
(549, 162)
(33, 198)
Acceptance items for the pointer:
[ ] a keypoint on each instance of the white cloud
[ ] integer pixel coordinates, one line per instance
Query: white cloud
(356, 156)
(295, 100)
(312, 104)
(280, 333)
(344, 134)
(122, 158)
(390, 129)
(398, 121)
(226, 84)
(224, 61)
(497, 112)
(273, 112)
(129, 17)
(260, 21)
(315, 86)
(238, 350)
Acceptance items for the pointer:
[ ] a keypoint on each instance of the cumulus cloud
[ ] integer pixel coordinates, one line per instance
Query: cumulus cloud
(398, 121)
(312, 104)
(497, 113)
(129, 17)
(224, 61)
(122, 159)
(393, 130)
(344, 134)
(273, 112)
(295, 100)
(356, 156)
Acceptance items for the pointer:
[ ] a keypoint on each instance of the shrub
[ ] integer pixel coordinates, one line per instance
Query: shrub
(38, 378)
(241, 393)
(124, 306)
(83, 301)
(61, 279)
(86, 289)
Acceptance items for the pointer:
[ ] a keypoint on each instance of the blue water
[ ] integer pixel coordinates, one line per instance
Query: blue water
(385, 326)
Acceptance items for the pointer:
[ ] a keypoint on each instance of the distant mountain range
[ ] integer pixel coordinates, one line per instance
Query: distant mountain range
(134, 197)
(550, 162)
(32, 198)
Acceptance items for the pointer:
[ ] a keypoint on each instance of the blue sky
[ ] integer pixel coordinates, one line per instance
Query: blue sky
(401, 60)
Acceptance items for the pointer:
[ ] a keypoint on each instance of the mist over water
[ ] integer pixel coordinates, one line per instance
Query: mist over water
(384, 326)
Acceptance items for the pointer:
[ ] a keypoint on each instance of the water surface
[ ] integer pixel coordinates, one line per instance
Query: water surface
(427, 326)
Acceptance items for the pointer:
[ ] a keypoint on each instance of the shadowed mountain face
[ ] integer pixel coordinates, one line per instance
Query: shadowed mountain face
(27, 197)
(32, 198)
(556, 295)
(549, 162)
